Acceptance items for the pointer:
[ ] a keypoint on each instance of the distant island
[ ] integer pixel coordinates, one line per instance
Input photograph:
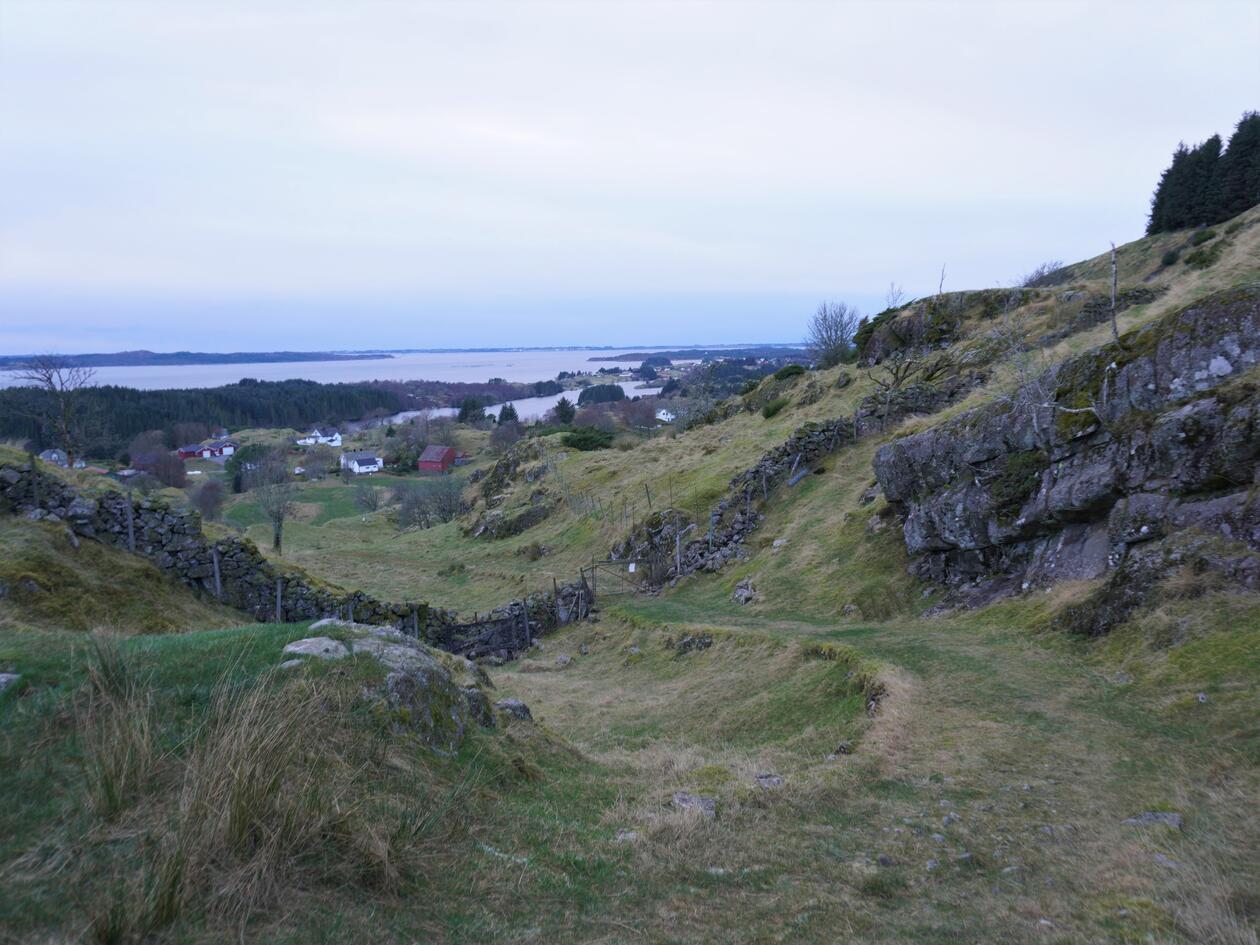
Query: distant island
(158, 358)
(720, 351)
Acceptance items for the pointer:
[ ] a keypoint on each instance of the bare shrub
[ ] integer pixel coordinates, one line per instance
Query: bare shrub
(367, 497)
(207, 498)
(428, 503)
(1049, 273)
(504, 436)
(598, 416)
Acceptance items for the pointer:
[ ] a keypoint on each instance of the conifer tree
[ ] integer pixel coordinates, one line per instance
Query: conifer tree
(1240, 168)
(507, 414)
(565, 411)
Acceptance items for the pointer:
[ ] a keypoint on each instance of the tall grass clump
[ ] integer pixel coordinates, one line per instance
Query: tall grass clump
(280, 786)
(114, 721)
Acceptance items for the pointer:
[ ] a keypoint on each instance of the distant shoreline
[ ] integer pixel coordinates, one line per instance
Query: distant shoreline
(144, 358)
(176, 358)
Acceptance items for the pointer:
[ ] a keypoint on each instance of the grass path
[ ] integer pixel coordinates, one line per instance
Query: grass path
(985, 802)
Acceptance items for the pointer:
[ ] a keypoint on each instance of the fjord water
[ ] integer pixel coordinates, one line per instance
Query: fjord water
(466, 366)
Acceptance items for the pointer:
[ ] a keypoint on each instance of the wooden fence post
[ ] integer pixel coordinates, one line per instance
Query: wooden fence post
(415, 621)
(648, 493)
(525, 617)
(218, 580)
(131, 524)
(278, 612)
(555, 596)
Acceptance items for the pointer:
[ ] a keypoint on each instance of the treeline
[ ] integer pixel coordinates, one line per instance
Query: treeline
(114, 415)
(708, 354)
(419, 395)
(1209, 183)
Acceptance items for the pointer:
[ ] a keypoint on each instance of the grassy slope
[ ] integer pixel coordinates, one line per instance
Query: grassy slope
(52, 585)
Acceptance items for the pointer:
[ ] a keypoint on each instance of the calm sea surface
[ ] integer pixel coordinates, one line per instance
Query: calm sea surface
(430, 366)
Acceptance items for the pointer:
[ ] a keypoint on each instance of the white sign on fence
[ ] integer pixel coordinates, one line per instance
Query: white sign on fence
(632, 567)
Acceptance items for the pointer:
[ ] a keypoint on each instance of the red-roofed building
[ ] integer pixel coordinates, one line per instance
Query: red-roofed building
(436, 459)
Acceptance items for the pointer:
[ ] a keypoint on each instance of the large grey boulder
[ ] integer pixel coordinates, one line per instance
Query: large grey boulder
(325, 648)
(424, 691)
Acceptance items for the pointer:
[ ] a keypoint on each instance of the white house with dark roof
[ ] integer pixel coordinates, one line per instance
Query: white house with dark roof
(318, 437)
(361, 462)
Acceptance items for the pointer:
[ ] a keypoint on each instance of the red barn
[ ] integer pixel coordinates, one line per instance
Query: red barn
(436, 459)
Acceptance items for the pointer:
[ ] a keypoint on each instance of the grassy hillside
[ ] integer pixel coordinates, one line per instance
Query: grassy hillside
(51, 582)
(876, 775)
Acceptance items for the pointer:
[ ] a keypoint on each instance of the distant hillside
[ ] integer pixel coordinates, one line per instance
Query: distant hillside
(155, 358)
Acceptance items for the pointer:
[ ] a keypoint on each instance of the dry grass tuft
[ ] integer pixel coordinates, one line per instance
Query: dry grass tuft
(115, 727)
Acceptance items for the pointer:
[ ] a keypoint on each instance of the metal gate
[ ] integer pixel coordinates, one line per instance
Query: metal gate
(633, 576)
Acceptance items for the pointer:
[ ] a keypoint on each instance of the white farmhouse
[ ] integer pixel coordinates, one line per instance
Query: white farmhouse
(361, 462)
(320, 437)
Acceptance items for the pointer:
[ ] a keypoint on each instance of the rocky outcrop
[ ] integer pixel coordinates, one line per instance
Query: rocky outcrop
(671, 545)
(524, 462)
(495, 523)
(423, 691)
(1119, 447)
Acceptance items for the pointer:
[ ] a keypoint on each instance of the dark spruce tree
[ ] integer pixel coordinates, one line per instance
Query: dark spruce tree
(1240, 168)
(471, 410)
(565, 411)
(1205, 184)
(507, 414)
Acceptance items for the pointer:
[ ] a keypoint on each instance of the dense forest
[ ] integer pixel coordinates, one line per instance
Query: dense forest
(1207, 183)
(114, 415)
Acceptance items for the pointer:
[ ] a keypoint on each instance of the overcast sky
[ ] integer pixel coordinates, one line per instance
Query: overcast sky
(261, 175)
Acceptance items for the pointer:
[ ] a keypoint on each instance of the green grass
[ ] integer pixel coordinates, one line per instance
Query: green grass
(51, 584)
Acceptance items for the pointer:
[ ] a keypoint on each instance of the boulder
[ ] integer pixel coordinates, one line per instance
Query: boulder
(7, 680)
(515, 708)
(705, 807)
(323, 647)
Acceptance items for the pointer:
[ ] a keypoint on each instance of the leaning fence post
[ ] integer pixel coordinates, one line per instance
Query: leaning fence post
(218, 580)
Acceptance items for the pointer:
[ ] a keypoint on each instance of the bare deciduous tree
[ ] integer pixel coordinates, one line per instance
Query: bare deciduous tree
(894, 296)
(367, 497)
(273, 491)
(1115, 276)
(423, 505)
(896, 371)
(63, 414)
(831, 331)
(207, 498)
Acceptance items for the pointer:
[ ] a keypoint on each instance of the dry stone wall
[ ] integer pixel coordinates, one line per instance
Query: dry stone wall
(659, 539)
(234, 571)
